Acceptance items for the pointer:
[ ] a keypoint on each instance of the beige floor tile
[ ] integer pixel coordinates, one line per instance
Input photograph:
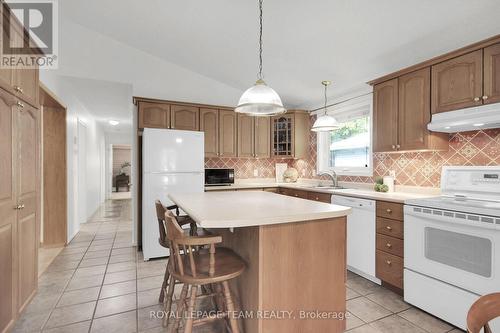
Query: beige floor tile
(145, 320)
(429, 323)
(119, 323)
(94, 262)
(42, 302)
(113, 305)
(92, 270)
(85, 282)
(122, 276)
(352, 321)
(362, 286)
(389, 300)
(82, 327)
(396, 324)
(350, 294)
(121, 258)
(151, 271)
(124, 250)
(46, 256)
(118, 289)
(32, 322)
(148, 297)
(79, 296)
(97, 254)
(365, 329)
(152, 282)
(366, 310)
(121, 266)
(70, 314)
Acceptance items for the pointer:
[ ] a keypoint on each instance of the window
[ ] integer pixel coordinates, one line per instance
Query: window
(348, 150)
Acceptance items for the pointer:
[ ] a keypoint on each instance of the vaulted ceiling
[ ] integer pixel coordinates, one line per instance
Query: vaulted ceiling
(346, 41)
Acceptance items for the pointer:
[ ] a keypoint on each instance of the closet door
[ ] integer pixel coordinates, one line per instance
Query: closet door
(28, 178)
(8, 213)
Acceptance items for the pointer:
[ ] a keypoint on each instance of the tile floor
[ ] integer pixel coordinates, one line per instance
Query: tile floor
(99, 283)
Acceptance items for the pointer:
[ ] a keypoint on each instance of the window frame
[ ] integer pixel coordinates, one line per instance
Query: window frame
(348, 110)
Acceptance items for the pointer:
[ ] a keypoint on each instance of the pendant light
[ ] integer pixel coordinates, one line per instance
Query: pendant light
(260, 99)
(325, 122)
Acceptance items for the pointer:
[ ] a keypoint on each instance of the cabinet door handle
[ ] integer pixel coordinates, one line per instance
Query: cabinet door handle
(18, 89)
(393, 146)
(21, 105)
(389, 228)
(398, 146)
(388, 210)
(17, 207)
(388, 262)
(388, 245)
(477, 99)
(317, 198)
(485, 97)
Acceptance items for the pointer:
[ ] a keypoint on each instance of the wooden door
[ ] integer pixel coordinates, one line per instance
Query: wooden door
(246, 134)
(262, 137)
(209, 124)
(28, 177)
(8, 214)
(227, 133)
(492, 74)
(457, 83)
(385, 116)
(154, 115)
(185, 117)
(414, 109)
(54, 176)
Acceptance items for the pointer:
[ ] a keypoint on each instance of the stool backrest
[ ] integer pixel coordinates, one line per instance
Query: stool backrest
(485, 309)
(160, 214)
(184, 250)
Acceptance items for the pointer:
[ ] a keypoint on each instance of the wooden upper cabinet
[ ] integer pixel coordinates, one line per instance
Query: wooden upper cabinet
(385, 116)
(414, 109)
(262, 137)
(457, 83)
(492, 74)
(185, 117)
(209, 124)
(154, 115)
(227, 133)
(246, 135)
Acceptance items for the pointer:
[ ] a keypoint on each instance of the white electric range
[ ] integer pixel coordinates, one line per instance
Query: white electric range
(452, 244)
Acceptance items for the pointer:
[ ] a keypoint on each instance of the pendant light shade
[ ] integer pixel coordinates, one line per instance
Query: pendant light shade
(325, 122)
(260, 99)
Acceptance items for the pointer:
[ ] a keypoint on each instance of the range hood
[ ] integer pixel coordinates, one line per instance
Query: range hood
(470, 119)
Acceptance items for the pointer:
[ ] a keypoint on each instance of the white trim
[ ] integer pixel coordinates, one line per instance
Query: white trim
(345, 110)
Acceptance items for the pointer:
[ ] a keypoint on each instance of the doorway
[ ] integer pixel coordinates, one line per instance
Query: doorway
(81, 172)
(121, 158)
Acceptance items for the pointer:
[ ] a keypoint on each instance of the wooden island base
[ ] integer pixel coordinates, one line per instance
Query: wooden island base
(293, 268)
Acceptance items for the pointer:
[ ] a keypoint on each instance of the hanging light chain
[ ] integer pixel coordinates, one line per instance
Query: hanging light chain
(260, 40)
(326, 86)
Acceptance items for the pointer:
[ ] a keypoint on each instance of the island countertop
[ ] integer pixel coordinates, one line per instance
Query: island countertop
(252, 208)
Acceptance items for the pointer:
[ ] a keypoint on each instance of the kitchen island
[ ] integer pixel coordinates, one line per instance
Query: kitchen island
(295, 251)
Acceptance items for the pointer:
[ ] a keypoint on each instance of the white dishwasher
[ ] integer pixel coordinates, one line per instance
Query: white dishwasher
(361, 229)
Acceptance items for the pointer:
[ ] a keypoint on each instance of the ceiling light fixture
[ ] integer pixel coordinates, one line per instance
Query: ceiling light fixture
(325, 122)
(478, 125)
(260, 99)
(113, 122)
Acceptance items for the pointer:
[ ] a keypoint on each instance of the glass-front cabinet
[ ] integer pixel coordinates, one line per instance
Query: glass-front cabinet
(283, 134)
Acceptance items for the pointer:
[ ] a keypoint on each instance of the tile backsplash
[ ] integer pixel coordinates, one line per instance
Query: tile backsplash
(412, 168)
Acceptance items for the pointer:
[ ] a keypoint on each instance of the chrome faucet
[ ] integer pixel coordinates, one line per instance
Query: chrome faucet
(332, 175)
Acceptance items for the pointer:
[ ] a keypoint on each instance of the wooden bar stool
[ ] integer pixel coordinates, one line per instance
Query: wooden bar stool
(163, 241)
(197, 269)
(484, 310)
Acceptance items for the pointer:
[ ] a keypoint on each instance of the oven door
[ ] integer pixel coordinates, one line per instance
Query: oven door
(461, 252)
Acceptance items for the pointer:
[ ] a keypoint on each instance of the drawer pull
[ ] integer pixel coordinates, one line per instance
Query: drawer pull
(18, 89)
(21, 105)
(477, 99)
(389, 228)
(485, 97)
(389, 211)
(388, 262)
(317, 198)
(389, 245)
(296, 194)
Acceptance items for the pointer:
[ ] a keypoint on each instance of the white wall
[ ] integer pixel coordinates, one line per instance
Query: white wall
(95, 150)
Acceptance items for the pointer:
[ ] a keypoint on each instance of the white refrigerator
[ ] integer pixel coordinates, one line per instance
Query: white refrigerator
(172, 161)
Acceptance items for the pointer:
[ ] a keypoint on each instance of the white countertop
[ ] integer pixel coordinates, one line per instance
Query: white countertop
(252, 208)
(399, 197)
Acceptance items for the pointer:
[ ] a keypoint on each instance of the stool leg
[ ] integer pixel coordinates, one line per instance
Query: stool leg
(191, 307)
(230, 308)
(168, 301)
(180, 308)
(164, 285)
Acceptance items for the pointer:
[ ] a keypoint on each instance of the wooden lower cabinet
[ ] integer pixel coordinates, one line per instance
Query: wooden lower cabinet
(321, 197)
(390, 243)
(19, 206)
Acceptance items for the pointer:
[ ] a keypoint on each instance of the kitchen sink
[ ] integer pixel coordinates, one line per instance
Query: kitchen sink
(329, 187)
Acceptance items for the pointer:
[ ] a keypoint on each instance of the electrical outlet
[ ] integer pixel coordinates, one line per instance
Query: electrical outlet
(256, 172)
